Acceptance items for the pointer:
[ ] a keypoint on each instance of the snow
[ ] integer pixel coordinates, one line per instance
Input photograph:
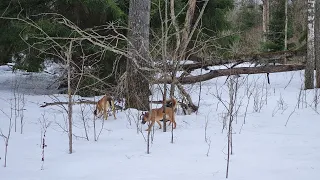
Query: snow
(53, 68)
(263, 148)
(5, 68)
(44, 83)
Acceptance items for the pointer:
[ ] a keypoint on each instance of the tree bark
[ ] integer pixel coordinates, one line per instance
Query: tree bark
(317, 43)
(286, 29)
(164, 59)
(187, 34)
(187, 28)
(184, 39)
(176, 26)
(309, 71)
(235, 71)
(62, 103)
(68, 56)
(265, 19)
(137, 79)
(190, 104)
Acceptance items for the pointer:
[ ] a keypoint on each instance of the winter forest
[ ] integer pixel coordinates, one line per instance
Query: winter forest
(159, 89)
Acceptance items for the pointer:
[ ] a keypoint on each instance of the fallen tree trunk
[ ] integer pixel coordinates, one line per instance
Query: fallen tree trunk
(188, 97)
(117, 107)
(235, 71)
(269, 57)
(63, 103)
(45, 104)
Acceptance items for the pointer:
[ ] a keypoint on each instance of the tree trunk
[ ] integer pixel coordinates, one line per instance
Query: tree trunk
(68, 56)
(235, 71)
(265, 19)
(187, 28)
(164, 59)
(137, 79)
(317, 43)
(263, 58)
(309, 71)
(286, 29)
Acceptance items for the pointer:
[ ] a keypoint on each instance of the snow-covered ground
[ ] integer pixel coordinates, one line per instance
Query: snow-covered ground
(263, 148)
(44, 83)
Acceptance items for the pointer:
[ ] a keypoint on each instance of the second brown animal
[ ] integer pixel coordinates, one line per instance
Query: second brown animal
(103, 105)
(157, 114)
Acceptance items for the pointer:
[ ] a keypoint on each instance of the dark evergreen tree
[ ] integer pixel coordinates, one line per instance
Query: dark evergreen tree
(249, 16)
(275, 36)
(89, 14)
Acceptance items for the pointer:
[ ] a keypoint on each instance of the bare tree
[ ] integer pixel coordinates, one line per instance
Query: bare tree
(94, 129)
(309, 71)
(16, 85)
(183, 37)
(206, 138)
(22, 97)
(68, 55)
(164, 41)
(138, 91)
(6, 137)
(44, 126)
(85, 120)
(19, 104)
(231, 109)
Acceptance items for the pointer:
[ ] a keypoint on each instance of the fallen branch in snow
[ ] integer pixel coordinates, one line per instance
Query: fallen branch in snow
(188, 98)
(117, 107)
(61, 103)
(269, 57)
(235, 71)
